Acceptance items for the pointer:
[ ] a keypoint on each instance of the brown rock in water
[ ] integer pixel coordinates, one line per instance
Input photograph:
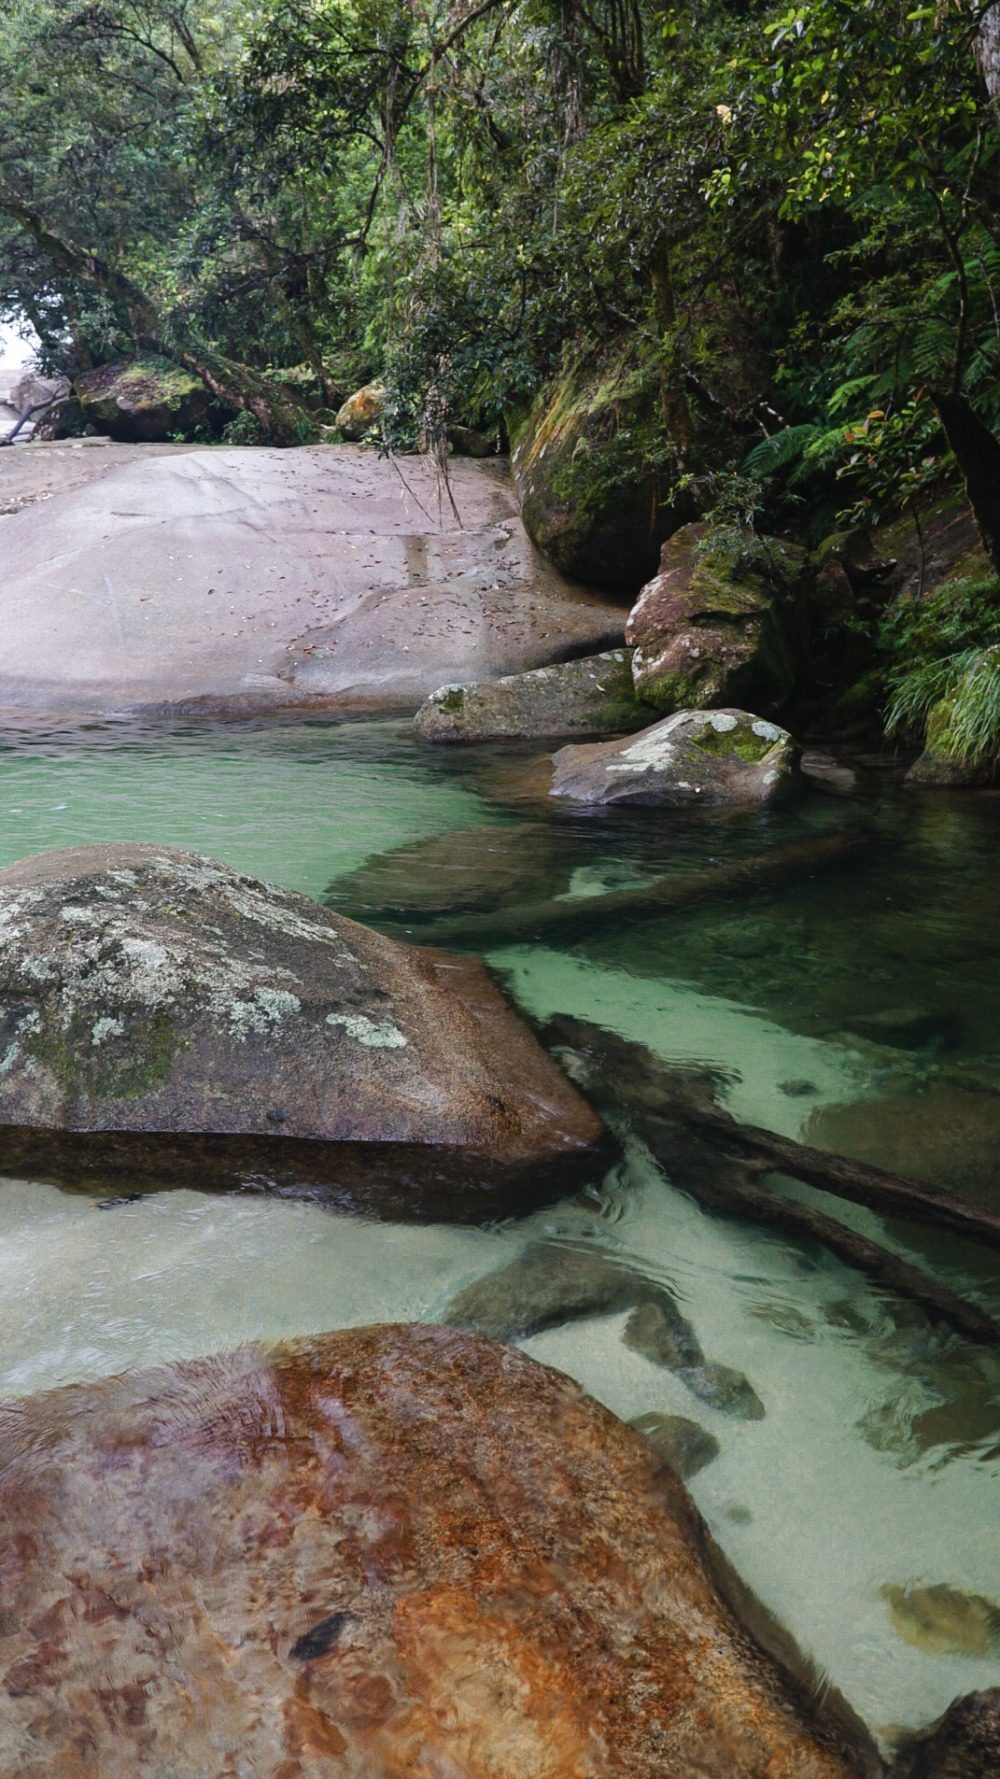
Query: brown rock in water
(144, 990)
(964, 1743)
(695, 757)
(945, 1134)
(384, 1552)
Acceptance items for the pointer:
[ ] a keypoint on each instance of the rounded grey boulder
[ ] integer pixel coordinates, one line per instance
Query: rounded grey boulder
(693, 757)
(146, 991)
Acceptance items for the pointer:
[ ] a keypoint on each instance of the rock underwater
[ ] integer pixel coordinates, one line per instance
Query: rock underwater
(386, 1551)
(162, 1015)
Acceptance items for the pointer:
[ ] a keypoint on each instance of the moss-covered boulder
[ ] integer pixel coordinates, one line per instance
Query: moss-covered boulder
(692, 758)
(939, 766)
(720, 623)
(142, 400)
(592, 473)
(147, 992)
(590, 697)
(361, 411)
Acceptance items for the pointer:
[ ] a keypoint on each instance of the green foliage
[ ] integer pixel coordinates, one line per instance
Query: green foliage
(946, 651)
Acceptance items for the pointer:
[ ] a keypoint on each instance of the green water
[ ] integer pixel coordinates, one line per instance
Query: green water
(878, 1458)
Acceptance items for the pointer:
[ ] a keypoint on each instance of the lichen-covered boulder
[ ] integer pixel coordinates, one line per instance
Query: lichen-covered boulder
(361, 411)
(142, 400)
(146, 991)
(712, 628)
(693, 757)
(380, 1552)
(587, 697)
(585, 463)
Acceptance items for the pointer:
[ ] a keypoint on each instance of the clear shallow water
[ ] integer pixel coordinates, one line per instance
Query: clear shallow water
(878, 1458)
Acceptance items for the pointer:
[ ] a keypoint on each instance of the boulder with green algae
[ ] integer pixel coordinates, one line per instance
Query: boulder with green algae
(592, 696)
(142, 400)
(148, 993)
(591, 476)
(939, 768)
(695, 757)
(719, 624)
(361, 411)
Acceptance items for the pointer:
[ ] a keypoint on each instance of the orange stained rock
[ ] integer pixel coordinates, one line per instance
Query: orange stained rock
(387, 1553)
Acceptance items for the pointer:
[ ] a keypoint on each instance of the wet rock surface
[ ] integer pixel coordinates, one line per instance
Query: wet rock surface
(722, 757)
(964, 1743)
(165, 579)
(706, 632)
(586, 697)
(941, 1132)
(384, 1551)
(683, 1444)
(146, 991)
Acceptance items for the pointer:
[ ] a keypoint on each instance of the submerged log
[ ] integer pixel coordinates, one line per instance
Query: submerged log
(571, 917)
(711, 1156)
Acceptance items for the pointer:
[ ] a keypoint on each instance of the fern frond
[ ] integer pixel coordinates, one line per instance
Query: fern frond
(782, 448)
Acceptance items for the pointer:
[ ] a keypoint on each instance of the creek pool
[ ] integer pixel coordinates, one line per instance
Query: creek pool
(857, 1006)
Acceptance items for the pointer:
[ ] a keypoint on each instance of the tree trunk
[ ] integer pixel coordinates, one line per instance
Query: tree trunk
(673, 400)
(281, 418)
(987, 47)
(977, 453)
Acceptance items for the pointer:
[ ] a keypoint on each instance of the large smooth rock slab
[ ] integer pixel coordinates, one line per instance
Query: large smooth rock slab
(147, 992)
(385, 1552)
(592, 696)
(707, 631)
(695, 757)
(232, 580)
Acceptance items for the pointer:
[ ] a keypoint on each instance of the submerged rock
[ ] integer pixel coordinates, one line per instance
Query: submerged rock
(710, 630)
(659, 1333)
(585, 697)
(141, 400)
(554, 1282)
(943, 1132)
(964, 1743)
(681, 1443)
(478, 868)
(693, 757)
(145, 991)
(383, 1551)
(942, 1620)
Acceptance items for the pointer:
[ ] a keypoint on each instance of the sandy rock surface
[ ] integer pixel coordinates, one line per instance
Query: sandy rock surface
(152, 577)
(384, 1552)
(148, 991)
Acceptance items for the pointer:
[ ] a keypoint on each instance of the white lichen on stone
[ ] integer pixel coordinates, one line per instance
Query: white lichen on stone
(84, 917)
(367, 1032)
(107, 1028)
(722, 721)
(767, 731)
(9, 1058)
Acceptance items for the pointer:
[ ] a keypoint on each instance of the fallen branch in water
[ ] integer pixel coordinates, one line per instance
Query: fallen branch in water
(703, 1150)
(572, 916)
